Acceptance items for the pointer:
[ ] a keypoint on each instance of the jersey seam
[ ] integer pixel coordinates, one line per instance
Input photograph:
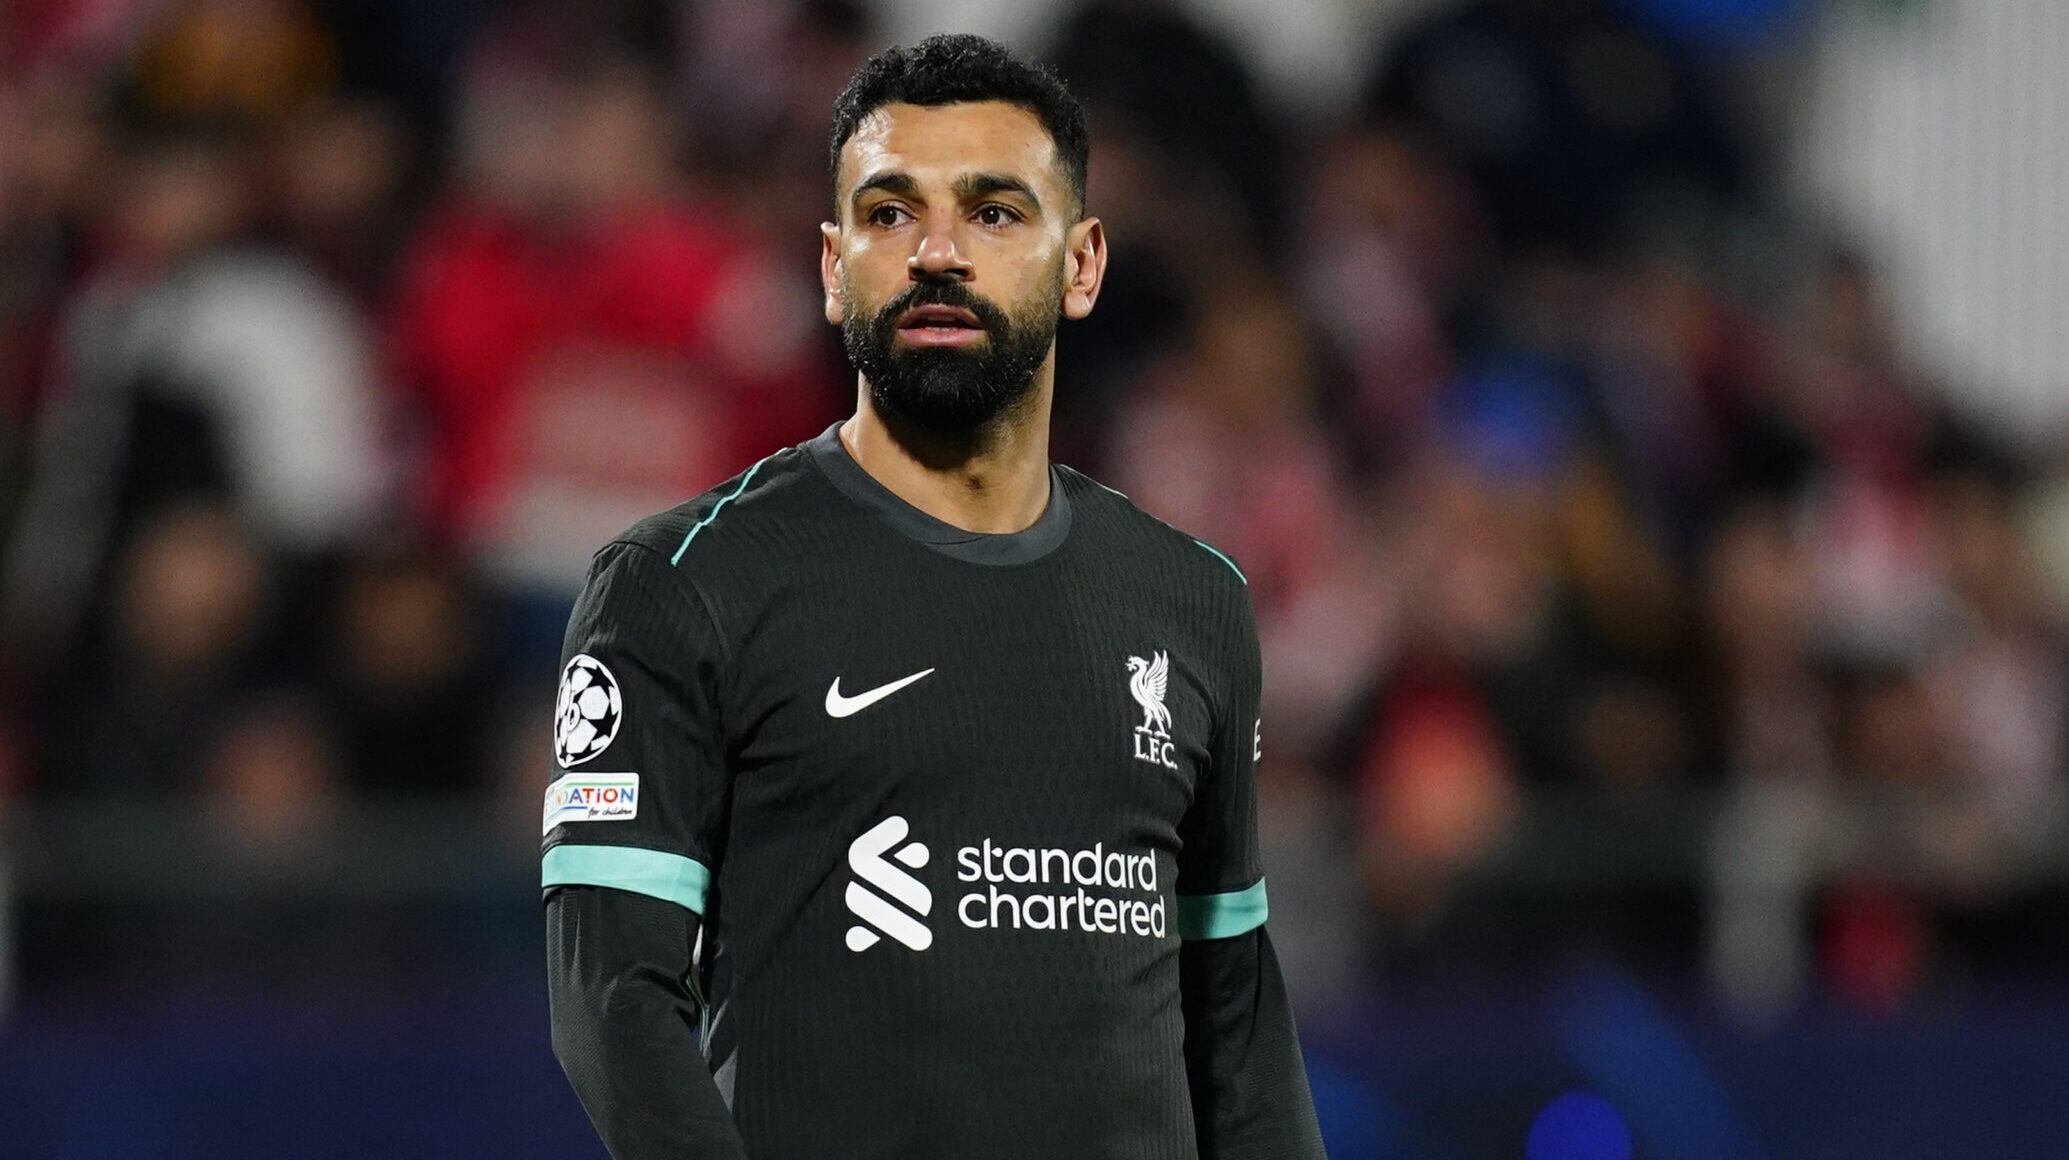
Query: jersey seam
(675, 561)
(1223, 557)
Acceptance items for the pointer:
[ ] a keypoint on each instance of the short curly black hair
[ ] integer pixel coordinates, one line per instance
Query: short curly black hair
(951, 68)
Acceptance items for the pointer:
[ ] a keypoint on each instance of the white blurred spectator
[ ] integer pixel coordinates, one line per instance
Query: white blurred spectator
(275, 364)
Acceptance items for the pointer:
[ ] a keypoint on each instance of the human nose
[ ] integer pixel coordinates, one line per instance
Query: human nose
(938, 256)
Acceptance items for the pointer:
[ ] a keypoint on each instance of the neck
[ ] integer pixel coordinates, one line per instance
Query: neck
(994, 479)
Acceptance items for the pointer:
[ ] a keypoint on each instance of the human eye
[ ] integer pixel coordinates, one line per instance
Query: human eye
(886, 214)
(995, 215)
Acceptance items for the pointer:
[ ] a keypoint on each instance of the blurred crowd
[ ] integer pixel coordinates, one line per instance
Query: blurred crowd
(1572, 465)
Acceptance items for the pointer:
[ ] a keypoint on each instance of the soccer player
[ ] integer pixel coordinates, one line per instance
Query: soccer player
(918, 771)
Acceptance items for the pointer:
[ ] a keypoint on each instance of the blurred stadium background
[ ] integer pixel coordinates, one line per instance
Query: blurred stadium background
(1640, 421)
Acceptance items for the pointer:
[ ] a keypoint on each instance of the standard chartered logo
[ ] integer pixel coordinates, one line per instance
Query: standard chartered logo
(1093, 890)
(866, 859)
(1046, 889)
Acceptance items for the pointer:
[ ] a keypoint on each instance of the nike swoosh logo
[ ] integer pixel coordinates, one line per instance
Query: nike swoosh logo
(839, 706)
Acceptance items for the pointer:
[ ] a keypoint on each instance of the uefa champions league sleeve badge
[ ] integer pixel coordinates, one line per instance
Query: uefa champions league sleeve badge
(588, 711)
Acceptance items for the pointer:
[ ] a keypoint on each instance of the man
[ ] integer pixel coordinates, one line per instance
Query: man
(921, 772)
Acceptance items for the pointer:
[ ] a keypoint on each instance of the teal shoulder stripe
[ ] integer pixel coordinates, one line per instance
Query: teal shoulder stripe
(669, 877)
(1224, 559)
(1202, 916)
(715, 508)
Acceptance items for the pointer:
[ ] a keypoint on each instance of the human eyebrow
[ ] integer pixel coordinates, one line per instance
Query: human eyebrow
(898, 184)
(973, 186)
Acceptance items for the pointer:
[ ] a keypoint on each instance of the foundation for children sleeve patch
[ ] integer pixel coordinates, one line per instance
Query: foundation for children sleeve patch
(592, 797)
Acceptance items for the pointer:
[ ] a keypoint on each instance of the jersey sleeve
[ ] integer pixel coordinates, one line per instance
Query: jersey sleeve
(1220, 873)
(622, 1020)
(1249, 1086)
(640, 797)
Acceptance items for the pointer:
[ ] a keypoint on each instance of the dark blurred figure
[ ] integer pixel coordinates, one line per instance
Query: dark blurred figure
(53, 151)
(1396, 248)
(1191, 177)
(1672, 367)
(401, 54)
(410, 677)
(1146, 308)
(1569, 116)
(176, 650)
(270, 783)
(334, 176)
(1766, 686)
(1149, 65)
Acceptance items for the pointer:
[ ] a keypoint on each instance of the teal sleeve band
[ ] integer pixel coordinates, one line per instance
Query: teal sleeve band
(1221, 915)
(669, 877)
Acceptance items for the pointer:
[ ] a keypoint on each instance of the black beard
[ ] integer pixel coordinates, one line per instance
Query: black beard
(953, 392)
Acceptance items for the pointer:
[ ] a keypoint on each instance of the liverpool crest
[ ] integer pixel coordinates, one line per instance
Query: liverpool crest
(1147, 682)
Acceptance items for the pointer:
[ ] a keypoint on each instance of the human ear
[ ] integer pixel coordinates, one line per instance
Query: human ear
(830, 270)
(1085, 267)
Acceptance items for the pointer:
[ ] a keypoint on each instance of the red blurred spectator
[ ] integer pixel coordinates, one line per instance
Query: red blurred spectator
(586, 340)
(1437, 792)
(41, 37)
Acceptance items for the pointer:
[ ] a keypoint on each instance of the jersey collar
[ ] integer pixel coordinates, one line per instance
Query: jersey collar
(1039, 539)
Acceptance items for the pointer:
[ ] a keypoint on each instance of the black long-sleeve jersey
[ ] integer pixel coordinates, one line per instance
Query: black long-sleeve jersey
(965, 824)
